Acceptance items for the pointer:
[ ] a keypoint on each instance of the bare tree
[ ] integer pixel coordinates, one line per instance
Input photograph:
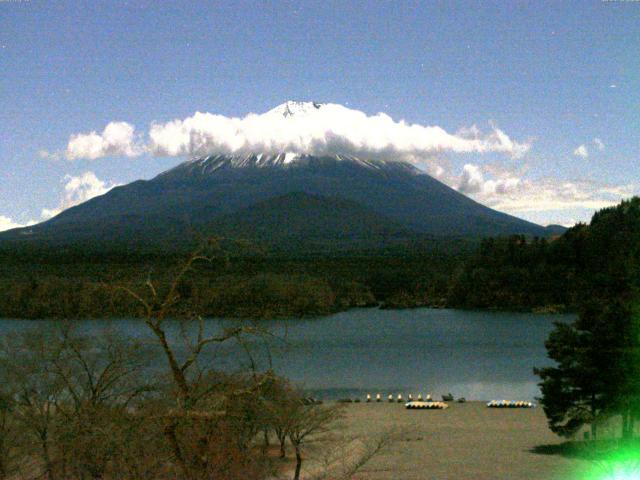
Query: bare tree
(158, 307)
(102, 377)
(202, 400)
(341, 458)
(25, 366)
(70, 396)
(279, 409)
(100, 369)
(307, 421)
(9, 434)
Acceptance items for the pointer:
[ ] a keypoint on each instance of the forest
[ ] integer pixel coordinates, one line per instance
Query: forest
(71, 284)
(514, 273)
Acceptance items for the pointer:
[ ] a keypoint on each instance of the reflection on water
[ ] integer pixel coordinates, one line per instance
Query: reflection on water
(478, 355)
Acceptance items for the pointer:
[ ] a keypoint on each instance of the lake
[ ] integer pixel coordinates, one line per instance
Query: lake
(478, 355)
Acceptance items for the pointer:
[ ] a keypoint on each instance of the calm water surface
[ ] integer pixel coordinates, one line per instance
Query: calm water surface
(478, 355)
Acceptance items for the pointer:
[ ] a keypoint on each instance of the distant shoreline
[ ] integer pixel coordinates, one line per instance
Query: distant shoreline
(537, 311)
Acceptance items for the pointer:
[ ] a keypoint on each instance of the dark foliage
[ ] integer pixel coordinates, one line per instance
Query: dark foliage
(597, 371)
(517, 273)
(50, 283)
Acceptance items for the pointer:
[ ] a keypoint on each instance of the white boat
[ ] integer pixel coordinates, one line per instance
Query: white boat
(426, 405)
(510, 404)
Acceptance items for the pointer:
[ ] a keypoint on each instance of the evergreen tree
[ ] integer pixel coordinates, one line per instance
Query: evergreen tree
(597, 371)
(573, 392)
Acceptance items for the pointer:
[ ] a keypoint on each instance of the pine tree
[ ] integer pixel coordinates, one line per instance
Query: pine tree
(597, 371)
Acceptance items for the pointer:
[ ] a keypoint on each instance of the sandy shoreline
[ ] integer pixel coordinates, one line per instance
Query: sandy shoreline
(466, 441)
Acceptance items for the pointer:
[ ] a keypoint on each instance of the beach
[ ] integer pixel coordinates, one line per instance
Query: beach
(465, 441)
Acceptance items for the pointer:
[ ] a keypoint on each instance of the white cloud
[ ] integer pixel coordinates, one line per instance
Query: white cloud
(292, 127)
(549, 198)
(472, 181)
(117, 139)
(553, 195)
(78, 189)
(7, 223)
(581, 151)
(598, 143)
(317, 130)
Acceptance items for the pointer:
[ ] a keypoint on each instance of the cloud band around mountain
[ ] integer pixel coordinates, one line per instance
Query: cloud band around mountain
(311, 129)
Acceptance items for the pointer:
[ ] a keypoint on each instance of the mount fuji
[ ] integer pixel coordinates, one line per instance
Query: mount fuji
(288, 200)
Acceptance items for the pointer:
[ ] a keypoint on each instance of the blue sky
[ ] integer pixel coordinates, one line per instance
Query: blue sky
(562, 78)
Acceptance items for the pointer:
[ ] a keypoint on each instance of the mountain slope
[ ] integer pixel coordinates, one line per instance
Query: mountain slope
(299, 221)
(257, 191)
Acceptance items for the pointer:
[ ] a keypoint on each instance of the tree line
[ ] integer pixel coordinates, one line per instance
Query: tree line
(66, 285)
(519, 273)
(514, 273)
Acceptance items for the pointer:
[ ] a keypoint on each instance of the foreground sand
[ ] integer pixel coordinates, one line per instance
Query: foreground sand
(466, 441)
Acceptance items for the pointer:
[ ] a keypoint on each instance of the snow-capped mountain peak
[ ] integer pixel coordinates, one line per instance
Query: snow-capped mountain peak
(292, 108)
(212, 164)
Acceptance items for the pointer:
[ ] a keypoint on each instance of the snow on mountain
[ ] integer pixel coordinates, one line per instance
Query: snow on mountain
(209, 164)
(291, 108)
